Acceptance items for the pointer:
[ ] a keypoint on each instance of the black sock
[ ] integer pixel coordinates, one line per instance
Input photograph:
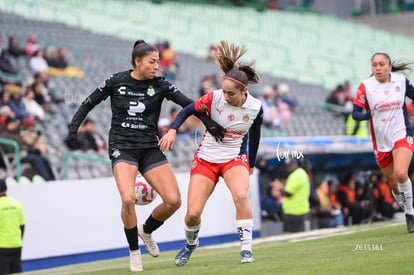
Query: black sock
(151, 225)
(132, 237)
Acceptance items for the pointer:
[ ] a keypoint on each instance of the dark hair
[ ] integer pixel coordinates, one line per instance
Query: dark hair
(396, 65)
(3, 186)
(227, 56)
(141, 49)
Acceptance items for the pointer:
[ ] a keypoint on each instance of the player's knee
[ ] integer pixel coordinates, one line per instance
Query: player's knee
(240, 198)
(128, 200)
(192, 218)
(401, 176)
(173, 202)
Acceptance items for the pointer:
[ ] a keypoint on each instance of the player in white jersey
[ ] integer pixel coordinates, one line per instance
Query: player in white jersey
(383, 97)
(241, 115)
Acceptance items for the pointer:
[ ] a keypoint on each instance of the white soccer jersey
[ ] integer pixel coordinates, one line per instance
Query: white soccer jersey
(236, 120)
(389, 122)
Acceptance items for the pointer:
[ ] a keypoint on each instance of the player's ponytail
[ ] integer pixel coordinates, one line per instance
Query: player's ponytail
(227, 56)
(141, 49)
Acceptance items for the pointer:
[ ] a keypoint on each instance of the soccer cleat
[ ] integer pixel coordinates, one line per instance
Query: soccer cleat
(149, 242)
(135, 262)
(246, 257)
(184, 254)
(410, 222)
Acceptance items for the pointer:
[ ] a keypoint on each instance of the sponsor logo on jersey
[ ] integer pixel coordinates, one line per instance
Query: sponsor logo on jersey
(246, 118)
(116, 153)
(230, 117)
(135, 107)
(122, 90)
(150, 91)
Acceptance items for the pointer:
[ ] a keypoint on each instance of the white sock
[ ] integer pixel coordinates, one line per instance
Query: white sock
(191, 233)
(406, 194)
(398, 200)
(245, 230)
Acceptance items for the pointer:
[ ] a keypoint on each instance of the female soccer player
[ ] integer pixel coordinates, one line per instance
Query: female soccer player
(383, 96)
(136, 98)
(241, 115)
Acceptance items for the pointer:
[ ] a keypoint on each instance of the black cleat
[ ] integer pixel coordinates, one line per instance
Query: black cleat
(410, 222)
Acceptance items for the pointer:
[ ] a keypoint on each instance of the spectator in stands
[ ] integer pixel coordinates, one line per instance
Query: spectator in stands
(5, 112)
(383, 97)
(32, 106)
(14, 48)
(208, 84)
(5, 63)
(346, 196)
(286, 96)
(296, 193)
(133, 140)
(336, 98)
(270, 112)
(328, 213)
(11, 231)
(38, 63)
(3, 44)
(16, 103)
(30, 154)
(56, 58)
(5, 95)
(89, 139)
(168, 62)
(34, 137)
(384, 201)
(212, 51)
(31, 46)
(271, 203)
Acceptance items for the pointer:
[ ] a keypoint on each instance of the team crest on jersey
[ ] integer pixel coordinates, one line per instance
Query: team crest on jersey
(246, 118)
(150, 91)
(194, 164)
(116, 153)
(362, 99)
(203, 108)
(230, 117)
(397, 88)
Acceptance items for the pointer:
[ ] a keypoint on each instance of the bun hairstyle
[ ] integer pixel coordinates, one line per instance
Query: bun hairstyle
(227, 56)
(396, 65)
(141, 49)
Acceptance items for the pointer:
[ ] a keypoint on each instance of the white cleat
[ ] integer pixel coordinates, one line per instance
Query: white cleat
(135, 262)
(150, 244)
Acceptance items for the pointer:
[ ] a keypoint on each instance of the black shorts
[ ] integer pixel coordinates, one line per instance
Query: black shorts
(145, 159)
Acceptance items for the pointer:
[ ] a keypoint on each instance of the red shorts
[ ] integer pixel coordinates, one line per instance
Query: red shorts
(215, 170)
(385, 158)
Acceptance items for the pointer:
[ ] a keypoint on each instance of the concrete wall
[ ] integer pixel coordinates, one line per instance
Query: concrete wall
(79, 216)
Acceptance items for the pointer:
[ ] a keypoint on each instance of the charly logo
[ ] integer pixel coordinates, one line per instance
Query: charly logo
(150, 91)
(230, 118)
(122, 90)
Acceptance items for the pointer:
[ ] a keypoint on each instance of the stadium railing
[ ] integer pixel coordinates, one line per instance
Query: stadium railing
(12, 162)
